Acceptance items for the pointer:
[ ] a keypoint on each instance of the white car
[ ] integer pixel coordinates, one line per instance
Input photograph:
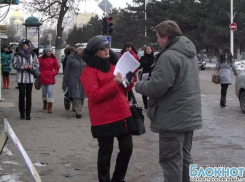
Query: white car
(240, 88)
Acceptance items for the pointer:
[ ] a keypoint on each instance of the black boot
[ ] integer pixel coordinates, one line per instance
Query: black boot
(22, 115)
(222, 101)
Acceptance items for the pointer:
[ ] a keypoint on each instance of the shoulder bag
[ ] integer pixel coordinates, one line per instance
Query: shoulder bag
(37, 84)
(138, 117)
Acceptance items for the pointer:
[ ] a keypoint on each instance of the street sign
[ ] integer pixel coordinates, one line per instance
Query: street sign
(105, 5)
(16, 2)
(3, 28)
(108, 39)
(233, 26)
(50, 35)
(8, 133)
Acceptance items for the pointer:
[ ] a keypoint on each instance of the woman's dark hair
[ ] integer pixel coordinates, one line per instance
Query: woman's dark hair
(45, 55)
(68, 50)
(129, 44)
(226, 56)
(152, 53)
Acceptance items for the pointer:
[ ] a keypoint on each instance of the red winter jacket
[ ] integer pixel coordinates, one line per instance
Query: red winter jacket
(107, 102)
(137, 58)
(49, 68)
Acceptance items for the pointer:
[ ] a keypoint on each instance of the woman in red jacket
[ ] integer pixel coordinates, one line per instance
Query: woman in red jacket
(48, 66)
(128, 47)
(109, 111)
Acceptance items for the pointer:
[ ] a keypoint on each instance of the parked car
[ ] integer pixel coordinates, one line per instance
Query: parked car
(240, 88)
(201, 63)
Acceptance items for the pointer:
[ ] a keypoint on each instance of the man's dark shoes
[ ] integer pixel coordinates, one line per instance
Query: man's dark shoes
(28, 117)
(78, 116)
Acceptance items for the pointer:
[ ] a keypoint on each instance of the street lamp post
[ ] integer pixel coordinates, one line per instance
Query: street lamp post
(231, 32)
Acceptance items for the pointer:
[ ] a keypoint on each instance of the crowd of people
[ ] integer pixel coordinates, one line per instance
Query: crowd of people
(171, 94)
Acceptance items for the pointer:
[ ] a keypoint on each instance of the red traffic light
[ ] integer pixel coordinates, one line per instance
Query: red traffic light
(108, 19)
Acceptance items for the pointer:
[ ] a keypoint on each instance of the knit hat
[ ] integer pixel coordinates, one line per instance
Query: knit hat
(79, 46)
(26, 41)
(4, 46)
(48, 48)
(96, 42)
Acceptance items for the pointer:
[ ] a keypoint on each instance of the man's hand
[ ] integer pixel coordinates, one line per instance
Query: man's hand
(30, 67)
(118, 79)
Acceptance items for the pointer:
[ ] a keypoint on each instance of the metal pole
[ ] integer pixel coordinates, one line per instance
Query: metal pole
(145, 18)
(105, 7)
(231, 32)
(0, 74)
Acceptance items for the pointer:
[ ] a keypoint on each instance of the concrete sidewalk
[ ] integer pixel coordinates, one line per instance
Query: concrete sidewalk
(65, 144)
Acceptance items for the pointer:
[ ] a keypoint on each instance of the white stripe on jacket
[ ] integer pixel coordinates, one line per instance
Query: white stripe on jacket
(22, 75)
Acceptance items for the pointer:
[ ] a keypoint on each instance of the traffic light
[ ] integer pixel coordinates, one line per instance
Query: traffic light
(16, 2)
(107, 25)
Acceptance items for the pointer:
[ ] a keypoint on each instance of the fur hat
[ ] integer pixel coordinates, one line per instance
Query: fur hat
(96, 42)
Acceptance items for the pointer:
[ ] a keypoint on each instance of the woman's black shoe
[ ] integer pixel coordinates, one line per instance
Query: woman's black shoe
(78, 116)
(28, 117)
(22, 115)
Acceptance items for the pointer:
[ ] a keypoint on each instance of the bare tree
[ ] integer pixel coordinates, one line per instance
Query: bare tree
(13, 34)
(55, 11)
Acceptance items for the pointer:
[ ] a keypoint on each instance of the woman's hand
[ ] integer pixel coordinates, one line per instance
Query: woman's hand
(25, 67)
(30, 67)
(118, 79)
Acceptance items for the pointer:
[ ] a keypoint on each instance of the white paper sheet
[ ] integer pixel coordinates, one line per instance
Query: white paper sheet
(125, 64)
(145, 76)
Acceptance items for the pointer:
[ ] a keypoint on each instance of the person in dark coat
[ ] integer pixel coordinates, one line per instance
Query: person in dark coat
(109, 110)
(6, 65)
(67, 51)
(48, 66)
(128, 47)
(145, 62)
(73, 69)
(224, 65)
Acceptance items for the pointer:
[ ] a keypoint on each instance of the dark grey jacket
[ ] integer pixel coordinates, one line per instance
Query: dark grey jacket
(73, 70)
(174, 89)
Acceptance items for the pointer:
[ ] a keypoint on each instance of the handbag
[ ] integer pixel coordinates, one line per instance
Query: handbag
(215, 77)
(37, 83)
(138, 117)
(35, 73)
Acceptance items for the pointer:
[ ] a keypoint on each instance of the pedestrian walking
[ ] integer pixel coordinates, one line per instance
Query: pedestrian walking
(73, 69)
(48, 66)
(67, 51)
(24, 62)
(109, 111)
(174, 100)
(6, 65)
(128, 47)
(224, 65)
(145, 62)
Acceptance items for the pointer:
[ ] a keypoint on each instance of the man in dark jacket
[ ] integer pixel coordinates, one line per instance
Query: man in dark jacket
(175, 100)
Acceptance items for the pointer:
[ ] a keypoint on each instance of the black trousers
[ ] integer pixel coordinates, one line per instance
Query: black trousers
(5, 74)
(224, 88)
(123, 157)
(145, 101)
(129, 95)
(25, 91)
